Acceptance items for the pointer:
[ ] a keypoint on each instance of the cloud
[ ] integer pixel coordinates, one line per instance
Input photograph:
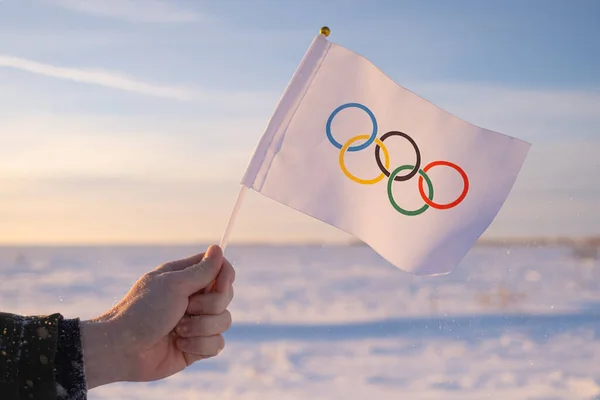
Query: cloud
(40, 145)
(155, 11)
(530, 114)
(98, 77)
(89, 209)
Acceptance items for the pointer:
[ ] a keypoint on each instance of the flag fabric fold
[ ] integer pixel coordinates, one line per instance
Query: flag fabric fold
(350, 147)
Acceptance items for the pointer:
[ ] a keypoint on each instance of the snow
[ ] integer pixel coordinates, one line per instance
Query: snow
(329, 322)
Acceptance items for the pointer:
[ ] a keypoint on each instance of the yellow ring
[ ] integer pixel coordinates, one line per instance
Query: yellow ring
(354, 178)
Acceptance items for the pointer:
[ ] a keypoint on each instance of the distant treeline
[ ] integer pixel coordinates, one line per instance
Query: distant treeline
(590, 241)
(576, 242)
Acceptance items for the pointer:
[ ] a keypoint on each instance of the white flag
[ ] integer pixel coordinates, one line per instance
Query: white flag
(350, 147)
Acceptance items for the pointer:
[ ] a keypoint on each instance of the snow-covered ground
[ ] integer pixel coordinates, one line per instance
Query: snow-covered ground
(314, 322)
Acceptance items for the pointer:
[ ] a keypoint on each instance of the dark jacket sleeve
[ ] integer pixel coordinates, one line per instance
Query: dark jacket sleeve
(41, 358)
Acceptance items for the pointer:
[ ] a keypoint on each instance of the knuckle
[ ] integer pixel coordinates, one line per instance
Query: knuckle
(167, 267)
(146, 280)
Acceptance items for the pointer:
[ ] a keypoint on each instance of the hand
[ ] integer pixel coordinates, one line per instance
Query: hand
(166, 322)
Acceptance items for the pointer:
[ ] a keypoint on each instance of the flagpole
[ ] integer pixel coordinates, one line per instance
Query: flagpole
(233, 217)
(229, 228)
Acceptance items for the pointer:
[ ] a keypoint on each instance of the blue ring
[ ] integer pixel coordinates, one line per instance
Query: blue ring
(357, 147)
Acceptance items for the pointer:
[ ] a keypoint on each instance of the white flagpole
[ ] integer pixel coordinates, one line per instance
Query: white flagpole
(233, 217)
(229, 228)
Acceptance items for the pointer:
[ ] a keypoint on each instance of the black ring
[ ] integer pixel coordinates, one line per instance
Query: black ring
(417, 163)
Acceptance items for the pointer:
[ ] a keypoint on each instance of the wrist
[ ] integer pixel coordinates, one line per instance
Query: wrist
(102, 354)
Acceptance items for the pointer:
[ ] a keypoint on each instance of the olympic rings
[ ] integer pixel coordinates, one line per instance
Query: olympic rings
(353, 148)
(385, 166)
(453, 203)
(354, 178)
(417, 164)
(391, 196)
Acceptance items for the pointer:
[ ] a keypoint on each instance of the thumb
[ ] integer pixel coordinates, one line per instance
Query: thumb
(200, 275)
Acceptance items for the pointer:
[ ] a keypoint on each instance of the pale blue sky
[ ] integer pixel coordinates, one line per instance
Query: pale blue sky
(133, 120)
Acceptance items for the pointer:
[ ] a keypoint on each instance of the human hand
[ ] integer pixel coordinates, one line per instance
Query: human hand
(166, 322)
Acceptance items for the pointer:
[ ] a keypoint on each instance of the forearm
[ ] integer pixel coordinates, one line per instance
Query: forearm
(103, 359)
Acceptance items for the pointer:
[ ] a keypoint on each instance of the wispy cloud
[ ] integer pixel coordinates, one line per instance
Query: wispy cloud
(530, 114)
(97, 77)
(156, 11)
(174, 148)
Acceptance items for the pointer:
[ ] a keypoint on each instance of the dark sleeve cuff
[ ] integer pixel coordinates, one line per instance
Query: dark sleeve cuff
(29, 349)
(41, 358)
(69, 367)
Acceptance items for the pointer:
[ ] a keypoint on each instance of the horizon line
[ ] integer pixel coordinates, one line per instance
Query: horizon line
(499, 240)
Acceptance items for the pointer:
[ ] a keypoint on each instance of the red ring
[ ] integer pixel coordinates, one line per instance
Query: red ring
(455, 202)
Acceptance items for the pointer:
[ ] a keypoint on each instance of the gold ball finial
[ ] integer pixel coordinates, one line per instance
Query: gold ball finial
(325, 31)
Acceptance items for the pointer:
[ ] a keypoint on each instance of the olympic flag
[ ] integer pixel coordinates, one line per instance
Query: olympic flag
(350, 147)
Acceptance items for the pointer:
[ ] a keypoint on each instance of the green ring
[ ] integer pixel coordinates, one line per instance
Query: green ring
(391, 197)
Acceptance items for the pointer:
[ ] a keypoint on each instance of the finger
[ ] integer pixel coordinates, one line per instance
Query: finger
(200, 275)
(178, 265)
(210, 303)
(204, 325)
(198, 348)
(225, 278)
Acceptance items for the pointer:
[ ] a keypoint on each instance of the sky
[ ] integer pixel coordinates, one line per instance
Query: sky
(132, 121)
